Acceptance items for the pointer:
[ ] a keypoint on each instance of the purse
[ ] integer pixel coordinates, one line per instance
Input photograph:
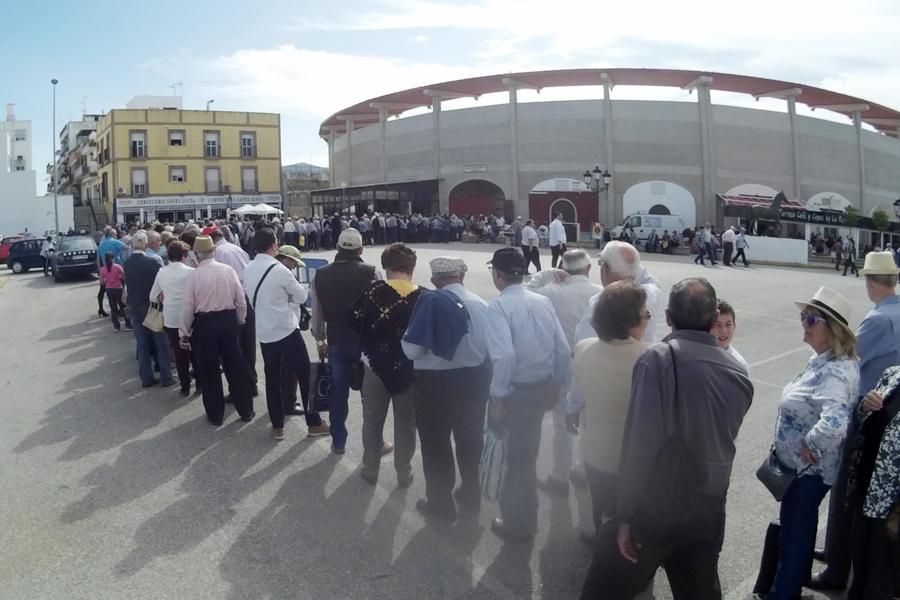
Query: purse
(493, 464)
(154, 319)
(776, 476)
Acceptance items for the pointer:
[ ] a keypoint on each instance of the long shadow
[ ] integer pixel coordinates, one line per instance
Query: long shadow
(563, 560)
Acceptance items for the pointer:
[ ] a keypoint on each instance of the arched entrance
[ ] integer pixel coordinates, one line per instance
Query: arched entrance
(476, 197)
(660, 209)
(566, 207)
(660, 198)
(565, 195)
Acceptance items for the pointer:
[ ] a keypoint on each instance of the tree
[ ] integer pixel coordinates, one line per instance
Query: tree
(880, 220)
(851, 217)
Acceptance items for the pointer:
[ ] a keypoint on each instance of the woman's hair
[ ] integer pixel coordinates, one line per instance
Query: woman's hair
(190, 234)
(177, 250)
(108, 259)
(618, 310)
(399, 258)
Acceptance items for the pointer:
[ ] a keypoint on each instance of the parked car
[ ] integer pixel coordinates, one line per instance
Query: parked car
(24, 255)
(5, 244)
(75, 255)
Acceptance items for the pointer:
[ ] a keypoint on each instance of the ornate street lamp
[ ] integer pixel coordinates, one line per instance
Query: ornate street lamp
(897, 208)
(597, 180)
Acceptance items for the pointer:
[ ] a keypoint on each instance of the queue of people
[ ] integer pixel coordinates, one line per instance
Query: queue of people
(657, 419)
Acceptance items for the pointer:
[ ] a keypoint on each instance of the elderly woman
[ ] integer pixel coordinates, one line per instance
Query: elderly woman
(810, 429)
(603, 371)
(168, 288)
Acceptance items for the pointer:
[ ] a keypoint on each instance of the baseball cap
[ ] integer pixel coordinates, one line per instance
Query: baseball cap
(292, 253)
(350, 239)
(510, 261)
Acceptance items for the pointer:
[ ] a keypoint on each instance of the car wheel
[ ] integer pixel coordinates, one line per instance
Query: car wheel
(17, 267)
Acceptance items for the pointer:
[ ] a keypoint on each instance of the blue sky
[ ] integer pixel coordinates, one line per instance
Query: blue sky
(307, 60)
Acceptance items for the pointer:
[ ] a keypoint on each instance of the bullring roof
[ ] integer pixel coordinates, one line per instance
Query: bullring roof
(882, 118)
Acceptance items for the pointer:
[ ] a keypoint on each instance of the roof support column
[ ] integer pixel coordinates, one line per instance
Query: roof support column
(707, 208)
(795, 143)
(857, 124)
(518, 205)
(382, 125)
(348, 123)
(331, 158)
(436, 134)
(612, 215)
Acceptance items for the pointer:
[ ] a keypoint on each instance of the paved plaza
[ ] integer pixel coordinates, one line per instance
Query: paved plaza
(110, 491)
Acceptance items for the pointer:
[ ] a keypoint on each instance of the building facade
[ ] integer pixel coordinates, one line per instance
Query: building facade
(680, 158)
(172, 164)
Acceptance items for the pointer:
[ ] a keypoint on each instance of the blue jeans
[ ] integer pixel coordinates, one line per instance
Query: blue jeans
(146, 340)
(799, 521)
(342, 359)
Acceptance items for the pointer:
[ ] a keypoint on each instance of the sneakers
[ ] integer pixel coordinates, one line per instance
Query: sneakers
(278, 433)
(319, 430)
(387, 448)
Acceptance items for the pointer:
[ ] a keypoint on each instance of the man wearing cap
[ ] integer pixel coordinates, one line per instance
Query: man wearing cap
(274, 292)
(335, 290)
(532, 361)
(878, 347)
(452, 389)
(140, 273)
(213, 307)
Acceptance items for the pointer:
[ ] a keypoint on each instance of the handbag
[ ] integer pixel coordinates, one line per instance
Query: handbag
(493, 464)
(154, 319)
(305, 317)
(320, 388)
(776, 476)
(357, 373)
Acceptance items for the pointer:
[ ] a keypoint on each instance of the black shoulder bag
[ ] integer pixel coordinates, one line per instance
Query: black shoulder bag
(258, 285)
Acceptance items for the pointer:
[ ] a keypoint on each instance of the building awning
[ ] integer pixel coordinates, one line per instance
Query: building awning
(749, 201)
(368, 186)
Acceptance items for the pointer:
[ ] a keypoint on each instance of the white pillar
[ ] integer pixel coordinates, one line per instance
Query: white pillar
(436, 136)
(519, 205)
(348, 123)
(857, 123)
(708, 201)
(611, 214)
(795, 144)
(331, 158)
(382, 124)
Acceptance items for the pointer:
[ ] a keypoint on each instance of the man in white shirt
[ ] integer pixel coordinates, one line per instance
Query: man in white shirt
(47, 250)
(272, 290)
(530, 243)
(531, 360)
(290, 232)
(570, 298)
(451, 398)
(724, 329)
(558, 240)
(728, 246)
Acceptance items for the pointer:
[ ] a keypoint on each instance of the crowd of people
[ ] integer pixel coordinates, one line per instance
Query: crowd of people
(655, 419)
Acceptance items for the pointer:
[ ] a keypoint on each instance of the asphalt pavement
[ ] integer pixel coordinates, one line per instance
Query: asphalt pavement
(111, 491)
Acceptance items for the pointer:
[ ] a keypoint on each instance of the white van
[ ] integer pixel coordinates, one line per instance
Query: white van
(643, 224)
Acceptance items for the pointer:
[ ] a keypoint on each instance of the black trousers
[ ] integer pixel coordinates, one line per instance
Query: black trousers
(740, 254)
(603, 494)
(874, 559)
(287, 353)
(691, 561)
(116, 306)
(556, 255)
(215, 340)
(710, 253)
(849, 263)
(532, 257)
(451, 402)
(184, 359)
(840, 521)
(100, 295)
(727, 251)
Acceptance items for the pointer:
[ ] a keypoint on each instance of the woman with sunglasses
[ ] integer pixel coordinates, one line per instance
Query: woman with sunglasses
(810, 429)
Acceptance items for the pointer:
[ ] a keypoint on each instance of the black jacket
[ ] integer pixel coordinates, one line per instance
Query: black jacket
(337, 287)
(140, 273)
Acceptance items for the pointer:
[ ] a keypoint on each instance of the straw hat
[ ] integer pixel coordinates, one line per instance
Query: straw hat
(832, 304)
(880, 263)
(291, 253)
(204, 243)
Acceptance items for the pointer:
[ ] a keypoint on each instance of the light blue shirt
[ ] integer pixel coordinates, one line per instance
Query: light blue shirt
(111, 245)
(878, 342)
(525, 341)
(815, 409)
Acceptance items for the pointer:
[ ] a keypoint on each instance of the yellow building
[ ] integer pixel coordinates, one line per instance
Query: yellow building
(172, 164)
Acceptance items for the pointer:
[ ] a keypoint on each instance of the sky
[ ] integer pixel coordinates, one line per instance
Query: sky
(307, 60)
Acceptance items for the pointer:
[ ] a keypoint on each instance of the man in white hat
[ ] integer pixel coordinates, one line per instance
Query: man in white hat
(878, 347)
(451, 397)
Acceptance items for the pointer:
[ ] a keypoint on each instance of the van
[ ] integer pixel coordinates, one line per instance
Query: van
(643, 224)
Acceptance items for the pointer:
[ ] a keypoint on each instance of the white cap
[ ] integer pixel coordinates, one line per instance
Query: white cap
(447, 264)
(350, 239)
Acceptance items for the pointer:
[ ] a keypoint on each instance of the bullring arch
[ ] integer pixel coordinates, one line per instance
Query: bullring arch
(476, 197)
(650, 195)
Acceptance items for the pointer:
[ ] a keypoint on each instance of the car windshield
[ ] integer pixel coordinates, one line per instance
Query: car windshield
(79, 243)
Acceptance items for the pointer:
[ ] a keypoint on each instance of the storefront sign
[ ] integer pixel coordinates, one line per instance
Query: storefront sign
(193, 201)
(811, 216)
(474, 168)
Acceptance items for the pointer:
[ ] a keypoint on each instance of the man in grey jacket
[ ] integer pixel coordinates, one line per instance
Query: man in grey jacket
(685, 387)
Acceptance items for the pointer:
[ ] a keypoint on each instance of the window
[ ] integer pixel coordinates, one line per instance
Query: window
(176, 174)
(248, 179)
(138, 182)
(21, 135)
(248, 144)
(176, 137)
(212, 179)
(138, 141)
(211, 143)
(20, 163)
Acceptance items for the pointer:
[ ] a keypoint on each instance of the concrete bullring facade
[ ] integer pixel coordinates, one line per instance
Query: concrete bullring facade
(536, 150)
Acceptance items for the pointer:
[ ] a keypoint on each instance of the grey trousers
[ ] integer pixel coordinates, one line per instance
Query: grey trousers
(375, 401)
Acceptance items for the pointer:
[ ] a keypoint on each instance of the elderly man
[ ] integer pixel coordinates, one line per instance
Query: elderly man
(570, 298)
(878, 346)
(212, 309)
(531, 360)
(154, 245)
(558, 240)
(235, 257)
(453, 387)
(140, 273)
(688, 401)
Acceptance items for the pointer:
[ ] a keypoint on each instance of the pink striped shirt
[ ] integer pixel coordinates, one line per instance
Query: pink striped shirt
(113, 278)
(211, 287)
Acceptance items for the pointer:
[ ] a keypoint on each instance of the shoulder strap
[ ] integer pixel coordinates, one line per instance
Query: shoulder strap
(261, 279)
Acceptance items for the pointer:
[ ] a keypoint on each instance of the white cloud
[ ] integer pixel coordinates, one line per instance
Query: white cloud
(420, 39)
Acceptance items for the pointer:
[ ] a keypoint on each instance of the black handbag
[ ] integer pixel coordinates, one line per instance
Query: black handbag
(776, 476)
(320, 388)
(305, 317)
(357, 373)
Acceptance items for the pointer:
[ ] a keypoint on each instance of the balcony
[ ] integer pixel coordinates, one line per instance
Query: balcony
(88, 169)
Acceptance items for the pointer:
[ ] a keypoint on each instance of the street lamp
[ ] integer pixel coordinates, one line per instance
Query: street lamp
(592, 179)
(55, 168)
(897, 208)
(208, 102)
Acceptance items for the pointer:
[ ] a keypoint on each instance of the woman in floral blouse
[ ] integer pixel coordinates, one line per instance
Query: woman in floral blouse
(812, 423)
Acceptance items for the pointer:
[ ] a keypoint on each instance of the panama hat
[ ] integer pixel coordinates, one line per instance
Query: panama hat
(291, 253)
(832, 304)
(880, 263)
(204, 243)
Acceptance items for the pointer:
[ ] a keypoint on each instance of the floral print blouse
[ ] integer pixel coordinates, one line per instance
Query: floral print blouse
(816, 408)
(884, 488)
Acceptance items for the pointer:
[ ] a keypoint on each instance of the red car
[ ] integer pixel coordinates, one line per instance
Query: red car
(5, 243)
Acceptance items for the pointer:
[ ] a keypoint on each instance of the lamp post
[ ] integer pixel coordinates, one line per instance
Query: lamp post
(208, 102)
(55, 168)
(597, 181)
(897, 208)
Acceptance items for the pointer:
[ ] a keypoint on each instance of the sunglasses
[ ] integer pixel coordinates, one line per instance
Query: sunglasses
(811, 320)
